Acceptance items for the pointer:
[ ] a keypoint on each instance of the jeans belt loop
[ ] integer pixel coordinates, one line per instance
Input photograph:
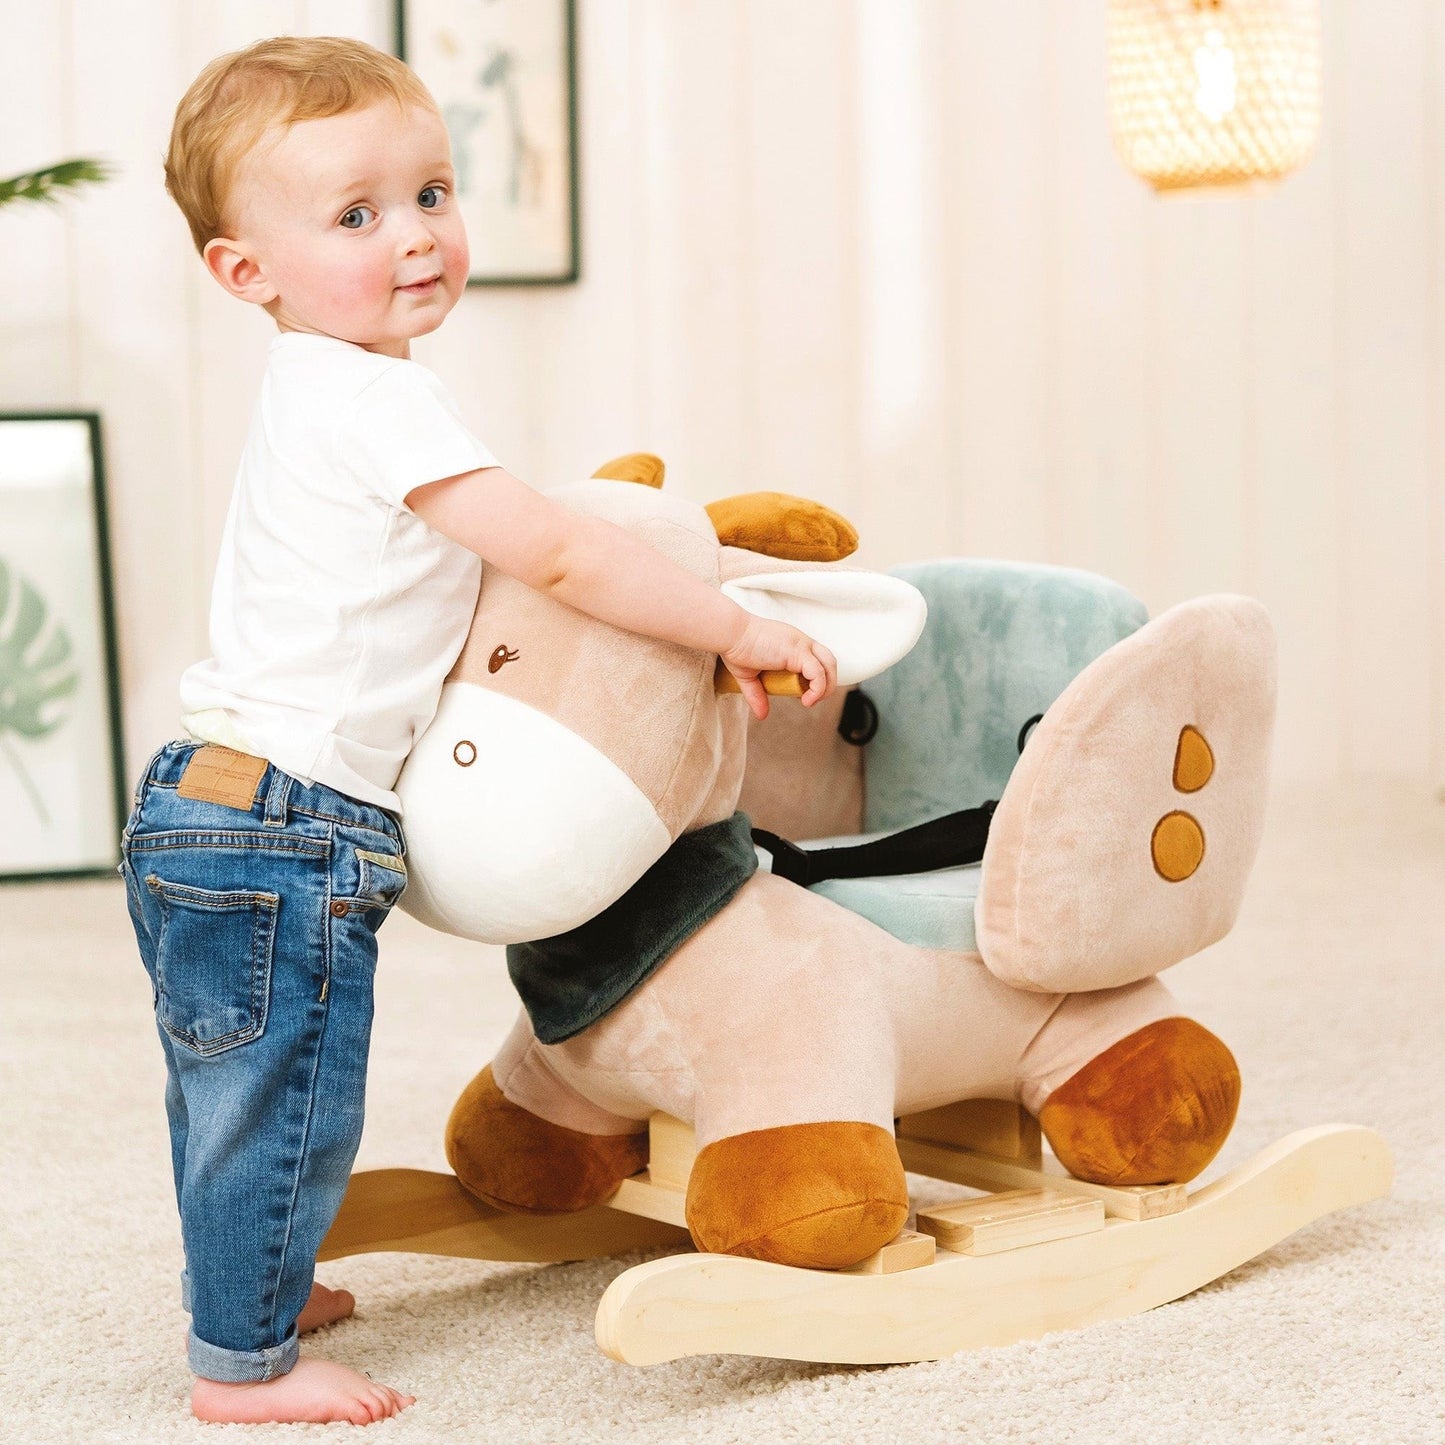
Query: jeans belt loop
(277, 794)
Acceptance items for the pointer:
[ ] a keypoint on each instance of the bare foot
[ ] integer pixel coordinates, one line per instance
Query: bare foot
(325, 1307)
(315, 1391)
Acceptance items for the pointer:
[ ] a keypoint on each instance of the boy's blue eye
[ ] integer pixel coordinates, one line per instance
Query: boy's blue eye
(437, 194)
(352, 220)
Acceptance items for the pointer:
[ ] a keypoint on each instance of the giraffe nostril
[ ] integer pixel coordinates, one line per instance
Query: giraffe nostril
(1177, 846)
(1193, 761)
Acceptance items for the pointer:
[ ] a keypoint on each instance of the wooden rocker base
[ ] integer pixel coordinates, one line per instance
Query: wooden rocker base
(1154, 1245)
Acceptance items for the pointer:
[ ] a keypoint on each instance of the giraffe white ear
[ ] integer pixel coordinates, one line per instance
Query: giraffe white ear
(867, 620)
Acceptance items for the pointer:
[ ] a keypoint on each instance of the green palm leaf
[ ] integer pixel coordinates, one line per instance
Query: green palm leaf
(49, 184)
(31, 677)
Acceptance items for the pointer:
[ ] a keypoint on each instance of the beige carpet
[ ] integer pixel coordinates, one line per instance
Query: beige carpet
(1331, 992)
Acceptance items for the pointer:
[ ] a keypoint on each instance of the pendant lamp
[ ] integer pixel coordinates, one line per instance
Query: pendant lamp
(1214, 92)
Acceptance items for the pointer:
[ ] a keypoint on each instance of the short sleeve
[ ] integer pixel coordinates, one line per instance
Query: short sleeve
(404, 430)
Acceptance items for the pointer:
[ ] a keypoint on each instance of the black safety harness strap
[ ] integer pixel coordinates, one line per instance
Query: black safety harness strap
(946, 842)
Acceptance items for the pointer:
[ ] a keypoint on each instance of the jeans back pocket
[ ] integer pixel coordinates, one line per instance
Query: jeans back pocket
(213, 964)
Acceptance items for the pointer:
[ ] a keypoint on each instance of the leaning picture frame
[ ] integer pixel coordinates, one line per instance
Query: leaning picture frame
(504, 74)
(61, 751)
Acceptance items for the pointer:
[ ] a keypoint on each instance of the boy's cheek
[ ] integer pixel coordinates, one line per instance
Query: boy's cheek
(457, 259)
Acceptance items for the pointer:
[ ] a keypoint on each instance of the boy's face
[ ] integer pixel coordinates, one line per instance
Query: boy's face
(350, 226)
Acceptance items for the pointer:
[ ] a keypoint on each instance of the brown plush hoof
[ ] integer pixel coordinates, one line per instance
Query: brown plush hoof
(1153, 1108)
(513, 1160)
(823, 1196)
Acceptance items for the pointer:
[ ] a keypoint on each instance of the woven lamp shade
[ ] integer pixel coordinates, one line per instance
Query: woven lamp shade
(1213, 92)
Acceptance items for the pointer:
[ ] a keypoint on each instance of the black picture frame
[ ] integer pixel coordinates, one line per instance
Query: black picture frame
(571, 269)
(37, 651)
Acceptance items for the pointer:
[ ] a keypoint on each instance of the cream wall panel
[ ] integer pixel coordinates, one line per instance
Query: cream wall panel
(1000, 172)
(903, 466)
(585, 373)
(137, 345)
(1383, 219)
(698, 326)
(1435, 181)
(1294, 374)
(1096, 415)
(1196, 500)
(37, 299)
(802, 222)
(875, 251)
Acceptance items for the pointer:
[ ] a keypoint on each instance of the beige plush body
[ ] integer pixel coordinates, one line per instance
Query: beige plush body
(567, 755)
(789, 1009)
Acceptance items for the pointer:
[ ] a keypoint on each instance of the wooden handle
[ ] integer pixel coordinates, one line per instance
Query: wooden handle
(775, 684)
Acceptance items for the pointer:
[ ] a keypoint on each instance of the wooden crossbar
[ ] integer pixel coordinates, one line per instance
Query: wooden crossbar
(930, 1143)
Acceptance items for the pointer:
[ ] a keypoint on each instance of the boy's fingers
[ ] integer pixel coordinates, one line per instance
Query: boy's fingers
(755, 695)
(819, 669)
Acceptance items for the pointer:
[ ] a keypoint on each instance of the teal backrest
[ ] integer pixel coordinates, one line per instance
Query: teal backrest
(1003, 640)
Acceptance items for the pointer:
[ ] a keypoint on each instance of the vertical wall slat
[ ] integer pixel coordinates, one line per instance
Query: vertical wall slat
(1435, 565)
(581, 385)
(1385, 557)
(1099, 435)
(796, 97)
(1200, 362)
(1296, 527)
(998, 164)
(37, 368)
(898, 353)
(695, 302)
(134, 357)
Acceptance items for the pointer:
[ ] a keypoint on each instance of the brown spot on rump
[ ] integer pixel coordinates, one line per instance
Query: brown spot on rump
(640, 467)
(500, 657)
(1177, 846)
(778, 525)
(1154, 1108)
(821, 1196)
(515, 1160)
(1193, 761)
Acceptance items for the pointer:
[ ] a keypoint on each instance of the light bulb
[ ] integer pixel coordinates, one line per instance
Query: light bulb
(1214, 69)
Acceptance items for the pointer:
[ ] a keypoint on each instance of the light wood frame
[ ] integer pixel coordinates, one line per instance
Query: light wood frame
(1155, 1245)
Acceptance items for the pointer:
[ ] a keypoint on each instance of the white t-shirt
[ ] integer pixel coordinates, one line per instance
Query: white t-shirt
(337, 612)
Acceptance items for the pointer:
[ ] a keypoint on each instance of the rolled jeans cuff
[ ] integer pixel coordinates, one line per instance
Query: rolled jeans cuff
(235, 1367)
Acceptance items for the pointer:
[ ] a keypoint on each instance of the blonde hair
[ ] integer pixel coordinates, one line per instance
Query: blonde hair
(237, 97)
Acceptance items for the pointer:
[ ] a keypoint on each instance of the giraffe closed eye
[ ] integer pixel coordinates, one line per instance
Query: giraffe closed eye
(500, 657)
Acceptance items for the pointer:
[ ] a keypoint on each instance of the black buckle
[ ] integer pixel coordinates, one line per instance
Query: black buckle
(789, 860)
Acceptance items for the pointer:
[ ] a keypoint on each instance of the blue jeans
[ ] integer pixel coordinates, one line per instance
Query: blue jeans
(258, 927)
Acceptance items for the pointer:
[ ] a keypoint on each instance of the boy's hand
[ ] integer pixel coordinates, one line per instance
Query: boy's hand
(766, 646)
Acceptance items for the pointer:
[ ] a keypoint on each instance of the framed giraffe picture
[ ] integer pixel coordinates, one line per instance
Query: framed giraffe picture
(504, 73)
(61, 760)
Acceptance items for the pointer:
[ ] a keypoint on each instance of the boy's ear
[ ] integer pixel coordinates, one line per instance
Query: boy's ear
(237, 270)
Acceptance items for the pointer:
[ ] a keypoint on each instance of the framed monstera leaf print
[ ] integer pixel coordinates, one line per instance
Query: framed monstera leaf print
(60, 744)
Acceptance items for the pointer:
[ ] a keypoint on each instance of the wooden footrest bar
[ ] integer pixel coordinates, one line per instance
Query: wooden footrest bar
(1010, 1220)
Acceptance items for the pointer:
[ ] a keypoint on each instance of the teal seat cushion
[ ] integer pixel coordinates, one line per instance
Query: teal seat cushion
(931, 910)
(1002, 641)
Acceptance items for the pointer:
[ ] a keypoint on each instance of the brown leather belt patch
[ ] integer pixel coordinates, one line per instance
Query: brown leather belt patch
(222, 775)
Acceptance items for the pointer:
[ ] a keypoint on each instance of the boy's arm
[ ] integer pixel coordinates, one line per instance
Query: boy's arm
(603, 570)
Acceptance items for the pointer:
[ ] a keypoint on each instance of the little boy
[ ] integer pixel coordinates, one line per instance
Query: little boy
(265, 850)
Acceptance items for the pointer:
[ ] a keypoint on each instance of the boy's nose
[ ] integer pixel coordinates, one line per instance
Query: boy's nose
(416, 237)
